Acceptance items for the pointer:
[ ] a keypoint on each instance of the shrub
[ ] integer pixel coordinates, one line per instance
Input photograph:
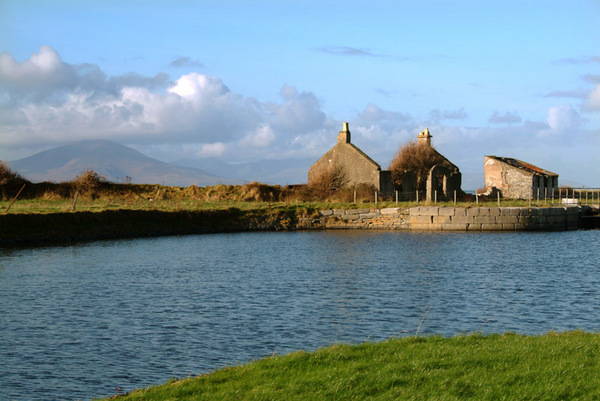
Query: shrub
(258, 192)
(9, 177)
(88, 182)
(331, 179)
(419, 158)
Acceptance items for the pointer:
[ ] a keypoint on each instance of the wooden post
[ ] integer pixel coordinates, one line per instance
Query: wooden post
(15, 198)
(375, 198)
(75, 201)
(435, 197)
(545, 195)
(417, 196)
(476, 198)
(396, 198)
(498, 198)
(455, 197)
(355, 197)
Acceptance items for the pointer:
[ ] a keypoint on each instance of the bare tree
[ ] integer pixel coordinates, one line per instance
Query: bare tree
(419, 158)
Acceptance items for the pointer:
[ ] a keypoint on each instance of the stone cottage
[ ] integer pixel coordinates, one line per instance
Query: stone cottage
(517, 179)
(356, 165)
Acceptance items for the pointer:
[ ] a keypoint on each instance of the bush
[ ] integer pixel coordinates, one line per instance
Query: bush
(88, 182)
(9, 177)
(419, 158)
(331, 179)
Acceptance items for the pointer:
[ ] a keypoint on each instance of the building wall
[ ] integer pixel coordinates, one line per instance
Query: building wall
(514, 182)
(357, 166)
(511, 181)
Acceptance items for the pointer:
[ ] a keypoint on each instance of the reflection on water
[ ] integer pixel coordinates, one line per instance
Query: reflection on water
(77, 321)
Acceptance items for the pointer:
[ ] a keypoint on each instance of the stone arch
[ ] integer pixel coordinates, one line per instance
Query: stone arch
(442, 180)
(437, 180)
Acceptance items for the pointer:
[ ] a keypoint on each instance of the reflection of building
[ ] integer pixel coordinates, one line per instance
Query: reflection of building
(355, 164)
(517, 179)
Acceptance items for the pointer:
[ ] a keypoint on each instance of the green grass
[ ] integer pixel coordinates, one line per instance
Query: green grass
(555, 366)
(41, 205)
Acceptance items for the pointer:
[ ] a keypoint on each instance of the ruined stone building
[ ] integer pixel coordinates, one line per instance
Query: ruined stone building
(442, 180)
(517, 179)
(356, 165)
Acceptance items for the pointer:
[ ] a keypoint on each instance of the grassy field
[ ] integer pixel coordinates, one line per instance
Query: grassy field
(179, 200)
(555, 366)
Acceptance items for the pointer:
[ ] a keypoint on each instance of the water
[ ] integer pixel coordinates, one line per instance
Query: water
(78, 321)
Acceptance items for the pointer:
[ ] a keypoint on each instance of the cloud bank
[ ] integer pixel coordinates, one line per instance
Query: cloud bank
(45, 101)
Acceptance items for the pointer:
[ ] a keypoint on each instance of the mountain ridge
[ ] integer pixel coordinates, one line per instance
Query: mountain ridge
(114, 161)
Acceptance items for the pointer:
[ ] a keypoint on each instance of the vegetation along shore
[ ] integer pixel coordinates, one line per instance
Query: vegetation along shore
(90, 208)
(554, 366)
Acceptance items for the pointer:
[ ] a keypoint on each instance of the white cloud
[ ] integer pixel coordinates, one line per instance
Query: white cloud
(593, 101)
(262, 137)
(212, 149)
(562, 118)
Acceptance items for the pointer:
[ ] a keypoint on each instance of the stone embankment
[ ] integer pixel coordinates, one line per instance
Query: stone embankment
(21, 229)
(439, 218)
(364, 219)
(494, 218)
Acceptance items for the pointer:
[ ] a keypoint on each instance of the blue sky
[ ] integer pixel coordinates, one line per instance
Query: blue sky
(244, 81)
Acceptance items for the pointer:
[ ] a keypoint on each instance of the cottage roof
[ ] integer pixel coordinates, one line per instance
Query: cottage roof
(530, 168)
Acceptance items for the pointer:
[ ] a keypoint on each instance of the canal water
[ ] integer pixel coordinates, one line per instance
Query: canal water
(79, 321)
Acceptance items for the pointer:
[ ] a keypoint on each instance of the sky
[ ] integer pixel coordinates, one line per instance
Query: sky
(253, 80)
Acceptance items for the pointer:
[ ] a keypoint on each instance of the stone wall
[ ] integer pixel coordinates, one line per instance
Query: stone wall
(494, 218)
(365, 219)
(435, 218)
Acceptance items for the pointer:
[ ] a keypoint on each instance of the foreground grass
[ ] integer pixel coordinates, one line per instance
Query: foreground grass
(555, 366)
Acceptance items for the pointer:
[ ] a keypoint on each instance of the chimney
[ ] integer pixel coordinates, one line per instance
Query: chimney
(344, 136)
(424, 138)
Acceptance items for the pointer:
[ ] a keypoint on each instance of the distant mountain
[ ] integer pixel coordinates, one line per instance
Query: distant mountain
(113, 161)
(282, 172)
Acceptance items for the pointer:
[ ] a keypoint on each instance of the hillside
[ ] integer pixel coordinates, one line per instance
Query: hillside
(275, 172)
(113, 161)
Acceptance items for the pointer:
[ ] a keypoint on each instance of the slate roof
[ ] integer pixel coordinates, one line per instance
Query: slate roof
(530, 168)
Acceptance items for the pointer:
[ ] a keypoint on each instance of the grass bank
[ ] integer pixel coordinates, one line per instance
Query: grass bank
(554, 366)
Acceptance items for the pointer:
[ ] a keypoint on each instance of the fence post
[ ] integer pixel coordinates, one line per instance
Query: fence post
(355, 197)
(435, 196)
(545, 195)
(498, 198)
(375, 198)
(75, 201)
(15, 198)
(455, 197)
(538, 196)
(396, 198)
(553, 195)
(417, 196)
(476, 198)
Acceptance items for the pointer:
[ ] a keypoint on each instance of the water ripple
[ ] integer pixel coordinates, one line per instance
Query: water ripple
(78, 321)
